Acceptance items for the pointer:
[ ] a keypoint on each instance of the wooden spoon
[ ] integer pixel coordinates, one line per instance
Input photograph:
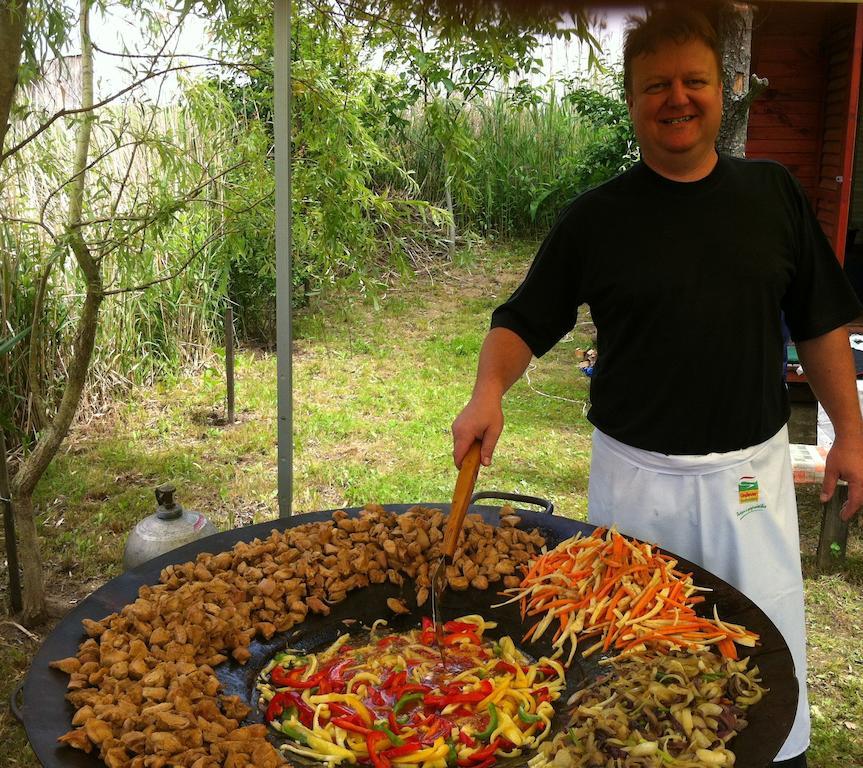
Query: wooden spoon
(464, 485)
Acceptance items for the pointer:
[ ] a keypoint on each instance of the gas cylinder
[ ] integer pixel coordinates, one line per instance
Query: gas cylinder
(169, 527)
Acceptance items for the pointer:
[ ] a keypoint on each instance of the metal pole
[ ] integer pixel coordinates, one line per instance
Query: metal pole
(229, 360)
(9, 530)
(284, 340)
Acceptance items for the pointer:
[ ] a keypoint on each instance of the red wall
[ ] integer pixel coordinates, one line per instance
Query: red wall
(802, 120)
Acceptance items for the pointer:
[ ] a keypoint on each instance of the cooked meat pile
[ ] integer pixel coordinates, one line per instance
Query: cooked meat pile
(143, 683)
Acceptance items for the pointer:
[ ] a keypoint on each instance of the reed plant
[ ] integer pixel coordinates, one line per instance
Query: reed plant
(162, 249)
(531, 156)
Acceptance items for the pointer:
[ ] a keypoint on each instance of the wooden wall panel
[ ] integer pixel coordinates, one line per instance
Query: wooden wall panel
(835, 177)
(785, 121)
(807, 117)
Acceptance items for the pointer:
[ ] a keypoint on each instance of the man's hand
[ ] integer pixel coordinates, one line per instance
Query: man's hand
(502, 360)
(481, 419)
(845, 462)
(831, 372)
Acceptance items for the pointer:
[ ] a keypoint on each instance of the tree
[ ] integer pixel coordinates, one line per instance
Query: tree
(107, 206)
(734, 28)
(448, 56)
(13, 14)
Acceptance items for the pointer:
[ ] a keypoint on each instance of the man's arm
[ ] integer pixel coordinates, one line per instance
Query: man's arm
(502, 360)
(829, 366)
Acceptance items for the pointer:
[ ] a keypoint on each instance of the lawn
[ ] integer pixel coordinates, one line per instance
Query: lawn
(376, 386)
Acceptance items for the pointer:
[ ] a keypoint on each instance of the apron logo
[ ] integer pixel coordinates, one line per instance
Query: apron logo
(747, 489)
(749, 495)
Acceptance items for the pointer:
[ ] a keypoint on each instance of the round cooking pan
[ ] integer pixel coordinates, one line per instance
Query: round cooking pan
(46, 715)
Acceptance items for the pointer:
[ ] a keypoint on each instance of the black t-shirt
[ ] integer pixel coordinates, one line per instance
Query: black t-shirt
(686, 283)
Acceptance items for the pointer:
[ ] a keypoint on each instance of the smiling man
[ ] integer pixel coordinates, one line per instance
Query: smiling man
(701, 255)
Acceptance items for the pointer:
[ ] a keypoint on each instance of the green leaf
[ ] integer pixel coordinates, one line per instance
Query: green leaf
(7, 345)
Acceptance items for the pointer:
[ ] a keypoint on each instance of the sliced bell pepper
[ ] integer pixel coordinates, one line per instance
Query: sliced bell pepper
(379, 760)
(337, 670)
(405, 749)
(286, 700)
(459, 637)
(294, 733)
(480, 755)
(459, 626)
(412, 688)
(292, 678)
(452, 755)
(275, 707)
(339, 710)
(484, 735)
(350, 725)
(405, 700)
(391, 719)
(456, 695)
(465, 738)
(381, 726)
(527, 717)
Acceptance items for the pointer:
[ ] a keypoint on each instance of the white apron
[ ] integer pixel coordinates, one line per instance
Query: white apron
(733, 513)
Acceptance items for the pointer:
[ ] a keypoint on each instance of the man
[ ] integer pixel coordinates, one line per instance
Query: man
(700, 255)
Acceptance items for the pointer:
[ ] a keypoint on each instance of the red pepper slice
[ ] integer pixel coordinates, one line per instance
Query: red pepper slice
(275, 707)
(339, 710)
(378, 759)
(505, 666)
(412, 688)
(291, 678)
(404, 749)
(336, 673)
(465, 738)
(350, 725)
(391, 719)
(394, 680)
(480, 755)
(459, 626)
(286, 700)
(455, 695)
(459, 636)
(437, 726)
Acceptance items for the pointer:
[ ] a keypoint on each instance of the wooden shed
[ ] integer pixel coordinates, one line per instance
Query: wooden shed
(808, 117)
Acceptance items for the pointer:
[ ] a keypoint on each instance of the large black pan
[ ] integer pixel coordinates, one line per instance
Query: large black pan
(46, 715)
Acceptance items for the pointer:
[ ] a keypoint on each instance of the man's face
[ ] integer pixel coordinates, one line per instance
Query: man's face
(675, 102)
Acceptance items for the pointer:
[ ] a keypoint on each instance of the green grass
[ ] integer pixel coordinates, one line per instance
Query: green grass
(375, 392)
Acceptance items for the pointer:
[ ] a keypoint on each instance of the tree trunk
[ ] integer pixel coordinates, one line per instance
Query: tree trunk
(739, 90)
(13, 15)
(34, 465)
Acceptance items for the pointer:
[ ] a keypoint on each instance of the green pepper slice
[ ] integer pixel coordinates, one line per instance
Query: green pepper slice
(492, 724)
(381, 726)
(294, 733)
(527, 717)
(405, 700)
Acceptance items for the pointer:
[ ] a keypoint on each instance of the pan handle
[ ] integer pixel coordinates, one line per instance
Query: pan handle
(13, 702)
(546, 505)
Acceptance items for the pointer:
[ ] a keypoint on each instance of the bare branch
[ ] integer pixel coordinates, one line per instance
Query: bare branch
(171, 275)
(211, 60)
(97, 105)
(30, 222)
(187, 198)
